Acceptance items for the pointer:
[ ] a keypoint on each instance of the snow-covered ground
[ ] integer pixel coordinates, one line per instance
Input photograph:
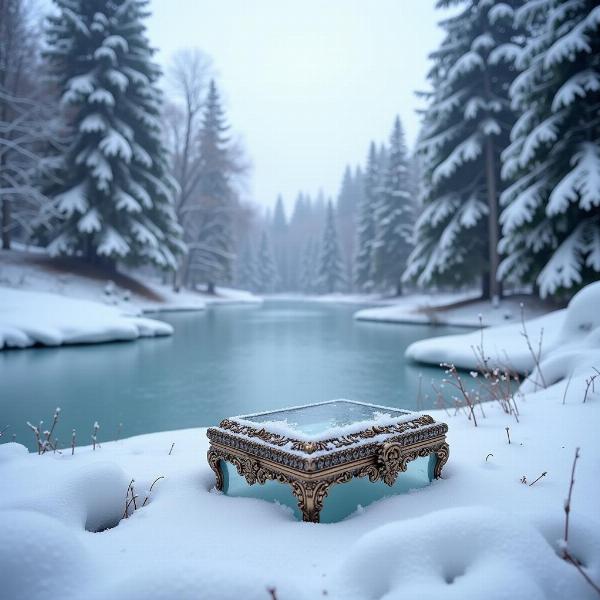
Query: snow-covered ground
(28, 318)
(33, 271)
(477, 533)
(410, 302)
(563, 342)
(460, 310)
(53, 303)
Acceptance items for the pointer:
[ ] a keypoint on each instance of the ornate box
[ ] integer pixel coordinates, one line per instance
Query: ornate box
(311, 448)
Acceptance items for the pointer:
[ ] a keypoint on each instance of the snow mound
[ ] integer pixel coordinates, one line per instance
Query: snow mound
(29, 318)
(40, 557)
(466, 552)
(570, 342)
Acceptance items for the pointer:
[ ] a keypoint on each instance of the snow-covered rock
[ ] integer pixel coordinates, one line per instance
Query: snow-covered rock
(28, 318)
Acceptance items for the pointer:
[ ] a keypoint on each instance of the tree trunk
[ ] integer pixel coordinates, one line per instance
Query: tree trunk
(210, 288)
(492, 191)
(485, 285)
(399, 289)
(5, 224)
(491, 176)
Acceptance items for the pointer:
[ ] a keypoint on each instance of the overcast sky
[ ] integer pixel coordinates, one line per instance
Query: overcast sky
(306, 84)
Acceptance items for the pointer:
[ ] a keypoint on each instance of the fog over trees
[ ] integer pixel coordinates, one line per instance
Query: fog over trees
(104, 158)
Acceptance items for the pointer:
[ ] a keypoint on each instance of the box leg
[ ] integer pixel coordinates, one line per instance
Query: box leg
(214, 460)
(311, 496)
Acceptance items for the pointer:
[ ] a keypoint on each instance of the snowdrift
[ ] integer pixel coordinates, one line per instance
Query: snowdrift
(570, 342)
(29, 318)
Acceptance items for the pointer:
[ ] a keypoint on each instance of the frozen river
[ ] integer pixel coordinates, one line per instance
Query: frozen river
(225, 361)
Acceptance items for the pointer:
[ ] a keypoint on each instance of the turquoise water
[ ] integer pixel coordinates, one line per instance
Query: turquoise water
(226, 361)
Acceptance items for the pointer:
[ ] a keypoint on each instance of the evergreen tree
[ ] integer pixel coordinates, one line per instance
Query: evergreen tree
(346, 218)
(330, 275)
(247, 271)
(393, 217)
(279, 236)
(266, 271)
(111, 189)
(211, 246)
(466, 126)
(551, 215)
(366, 223)
(308, 266)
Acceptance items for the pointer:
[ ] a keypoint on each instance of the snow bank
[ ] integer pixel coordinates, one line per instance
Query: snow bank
(28, 318)
(477, 533)
(570, 342)
(448, 309)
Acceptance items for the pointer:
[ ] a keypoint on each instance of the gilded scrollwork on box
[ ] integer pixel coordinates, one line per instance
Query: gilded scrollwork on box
(394, 459)
(311, 477)
(310, 447)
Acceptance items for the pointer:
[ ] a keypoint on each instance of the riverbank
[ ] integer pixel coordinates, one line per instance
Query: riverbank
(479, 532)
(71, 277)
(551, 347)
(55, 301)
(459, 310)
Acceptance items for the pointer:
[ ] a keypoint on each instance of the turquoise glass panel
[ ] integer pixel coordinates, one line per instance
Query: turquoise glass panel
(343, 499)
(314, 419)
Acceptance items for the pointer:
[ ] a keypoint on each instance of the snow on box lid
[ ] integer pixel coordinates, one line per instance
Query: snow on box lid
(325, 420)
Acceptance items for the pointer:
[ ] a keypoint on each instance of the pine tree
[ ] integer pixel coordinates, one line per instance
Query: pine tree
(393, 217)
(266, 269)
(466, 126)
(308, 266)
(247, 267)
(279, 236)
(551, 211)
(346, 217)
(211, 248)
(365, 227)
(330, 274)
(115, 196)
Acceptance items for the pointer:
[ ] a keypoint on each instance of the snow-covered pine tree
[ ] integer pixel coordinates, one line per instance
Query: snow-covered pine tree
(247, 267)
(394, 217)
(211, 249)
(466, 126)
(115, 195)
(346, 216)
(551, 211)
(331, 277)
(308, 266)
(365, 226)
(266, 271)
(280, 240)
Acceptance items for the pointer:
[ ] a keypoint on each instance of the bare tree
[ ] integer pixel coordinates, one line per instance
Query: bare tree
(28, 124)
(188, 79)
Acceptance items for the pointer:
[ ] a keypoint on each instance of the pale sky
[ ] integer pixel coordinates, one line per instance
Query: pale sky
(306, 83)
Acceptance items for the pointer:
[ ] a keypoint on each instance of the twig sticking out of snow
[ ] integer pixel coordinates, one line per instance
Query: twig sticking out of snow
(508, 433)
(536, 356)
(94, 435)
(457, 383)
(542, 475)
(273, 592)
(171, 450)
(150, 490)
(565, 543)
(73, 443)
(567, 389)
(590, 382)
(486, 458)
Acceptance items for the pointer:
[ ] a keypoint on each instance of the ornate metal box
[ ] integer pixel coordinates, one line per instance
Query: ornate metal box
(311, 448)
